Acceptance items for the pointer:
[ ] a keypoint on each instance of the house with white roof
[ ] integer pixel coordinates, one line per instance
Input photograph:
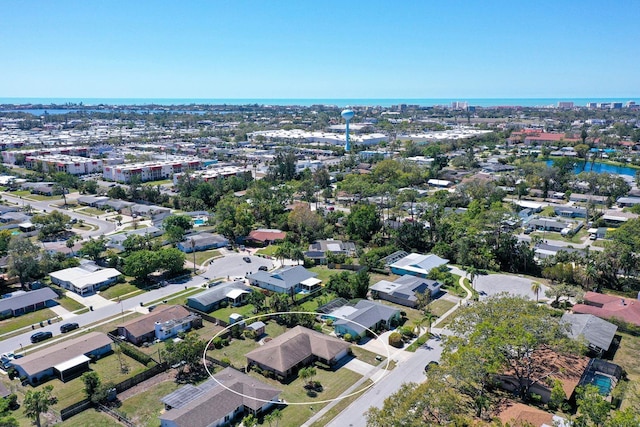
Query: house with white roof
(405, 289)
(83, 280)
(417, 264)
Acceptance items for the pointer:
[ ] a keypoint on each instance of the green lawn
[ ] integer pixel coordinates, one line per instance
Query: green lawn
(237, 348)
(337, 408)
(223, 313)
(576, 238)
(456, 289)
(143, 409)
(13, 323)
(91, 211)
(159, 182)
(333, 383)
(440, 306)
(203, 256)
(92, 418)
(177, 298)
(366, 355)
(123, 290)
(324, 273)
(269, 250)
(70, 304)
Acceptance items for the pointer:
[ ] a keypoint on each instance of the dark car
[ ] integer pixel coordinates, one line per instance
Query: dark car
(67, 327)
(430, 365)
(246, 259)
(263, 268)
(41, 336)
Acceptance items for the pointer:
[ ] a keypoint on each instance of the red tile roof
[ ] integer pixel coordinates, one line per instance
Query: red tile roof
(608, 306)
(267, 235)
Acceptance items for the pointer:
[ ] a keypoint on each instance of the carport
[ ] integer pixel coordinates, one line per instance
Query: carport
(72, 367)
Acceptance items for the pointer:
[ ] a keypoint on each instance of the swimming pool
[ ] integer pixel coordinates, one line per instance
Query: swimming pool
(603, 383)
(199, 221)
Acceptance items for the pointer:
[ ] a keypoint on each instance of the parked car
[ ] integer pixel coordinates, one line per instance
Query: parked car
(41, 336)
(263, 268)
(67, 327)
(246, 259)
(430, 365)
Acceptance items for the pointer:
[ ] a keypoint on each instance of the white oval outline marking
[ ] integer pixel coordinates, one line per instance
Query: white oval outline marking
(335, 399)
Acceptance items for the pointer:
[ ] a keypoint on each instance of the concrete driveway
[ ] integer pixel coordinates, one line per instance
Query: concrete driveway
(233, 265)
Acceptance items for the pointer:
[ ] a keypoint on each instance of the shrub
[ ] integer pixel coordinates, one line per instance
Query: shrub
(226, 361)
(347, 337)
(135, 354)
(395, 340)
(217, 342)
(329, 322)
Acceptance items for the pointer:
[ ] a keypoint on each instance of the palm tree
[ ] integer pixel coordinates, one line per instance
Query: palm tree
(37, 402)
(417, 325)
(536, 287)
(472, 272)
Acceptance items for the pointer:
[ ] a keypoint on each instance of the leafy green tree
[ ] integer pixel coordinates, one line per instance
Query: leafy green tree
(6, 420)
(171, 259)
(140, 264)
(593, 409)
(92, 383)
(93, 248)
(37, 402)
(117, 192)
(5, 238)
(136, 242)
(508, 330)
(363, 222)
(176, 226)
(52, 224)
(258, 300)
(189, 350)
(305, 225)
(558, 395)
(90, 186)
(249, 421)
(23, 259)
(64, 182)
(283, 167)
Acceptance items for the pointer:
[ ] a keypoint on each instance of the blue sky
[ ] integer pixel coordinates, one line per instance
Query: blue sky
(319, 49)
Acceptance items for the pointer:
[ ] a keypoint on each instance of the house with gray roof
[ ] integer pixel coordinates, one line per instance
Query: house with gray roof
(365, 315)
(297, 348)
(624, 202)
(230, 394)
(546, 224)
(597, 333)
(286, 280)
(20, 303)
(233, 293)
(405, 289)
(65, 360)
(319, 250)
(202, 242)
(115, 241)
(570, 211)
(417, 264)
(545, 250)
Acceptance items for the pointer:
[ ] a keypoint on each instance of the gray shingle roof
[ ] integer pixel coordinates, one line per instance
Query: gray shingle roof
(27, 299)
(369, 313)
(596, 331)
(217, 293)
(199, 406)
(285, 277)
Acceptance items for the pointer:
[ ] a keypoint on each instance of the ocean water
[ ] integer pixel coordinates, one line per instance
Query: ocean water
(341, 102)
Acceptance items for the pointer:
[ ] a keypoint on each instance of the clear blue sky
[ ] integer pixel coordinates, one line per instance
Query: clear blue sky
(319, 49)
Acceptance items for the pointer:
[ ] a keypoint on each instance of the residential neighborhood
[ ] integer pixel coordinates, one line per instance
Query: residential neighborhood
(245, 267)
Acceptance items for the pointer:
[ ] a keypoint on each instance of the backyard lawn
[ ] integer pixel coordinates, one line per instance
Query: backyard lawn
(92, 418)
(269, 250)
(143, 409)
(224, 313)
(203, 256)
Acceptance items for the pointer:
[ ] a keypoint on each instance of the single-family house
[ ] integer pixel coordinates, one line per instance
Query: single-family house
(548, 366)
(570, 211)
(218, 401)
(366, 315)
(232, 293)
(417, 264)
(609, 307)
(519, 414)
(320, 249)
(286, 280)
(545, 250)
(297, 348)
(597, 333)
(615, 218)
(546, 224)
(116, 241)
(624, 202)
(586, 198)
(19, 303)
(405, 289)
(66, 359)
(83, 281)
(266, 236)
(163, 322)
(202, 242)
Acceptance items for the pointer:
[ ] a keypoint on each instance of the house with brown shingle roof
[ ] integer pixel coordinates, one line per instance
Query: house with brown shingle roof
(218, 401)
(64, 360)
(164, 322)
(266, 236)
(609, 307)
(519, 414)
(297, 348)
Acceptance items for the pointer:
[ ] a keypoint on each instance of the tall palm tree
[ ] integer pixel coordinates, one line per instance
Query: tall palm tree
(536, 287)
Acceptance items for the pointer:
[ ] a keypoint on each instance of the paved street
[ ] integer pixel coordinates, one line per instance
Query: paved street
(407, 370)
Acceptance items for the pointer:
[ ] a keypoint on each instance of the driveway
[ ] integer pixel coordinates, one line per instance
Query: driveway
(233, 265)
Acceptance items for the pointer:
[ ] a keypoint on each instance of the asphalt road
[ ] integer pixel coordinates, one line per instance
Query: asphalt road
(231, 265)
(409, 370)
(103, 227)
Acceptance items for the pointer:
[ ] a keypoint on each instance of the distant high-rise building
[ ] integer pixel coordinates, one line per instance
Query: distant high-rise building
(565, 104)
(616, 105)
(459, 105)
(592, 105)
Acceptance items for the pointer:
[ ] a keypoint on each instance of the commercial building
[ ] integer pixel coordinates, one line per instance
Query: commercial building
(73, 165)
(13, 156)
(150, 171)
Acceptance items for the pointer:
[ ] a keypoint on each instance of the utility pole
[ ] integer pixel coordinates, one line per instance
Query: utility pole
(193, 249)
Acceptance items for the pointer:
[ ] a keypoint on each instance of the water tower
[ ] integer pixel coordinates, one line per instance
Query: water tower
(347, 115)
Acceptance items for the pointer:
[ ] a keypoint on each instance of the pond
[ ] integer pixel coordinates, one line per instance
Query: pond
(599, 167)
